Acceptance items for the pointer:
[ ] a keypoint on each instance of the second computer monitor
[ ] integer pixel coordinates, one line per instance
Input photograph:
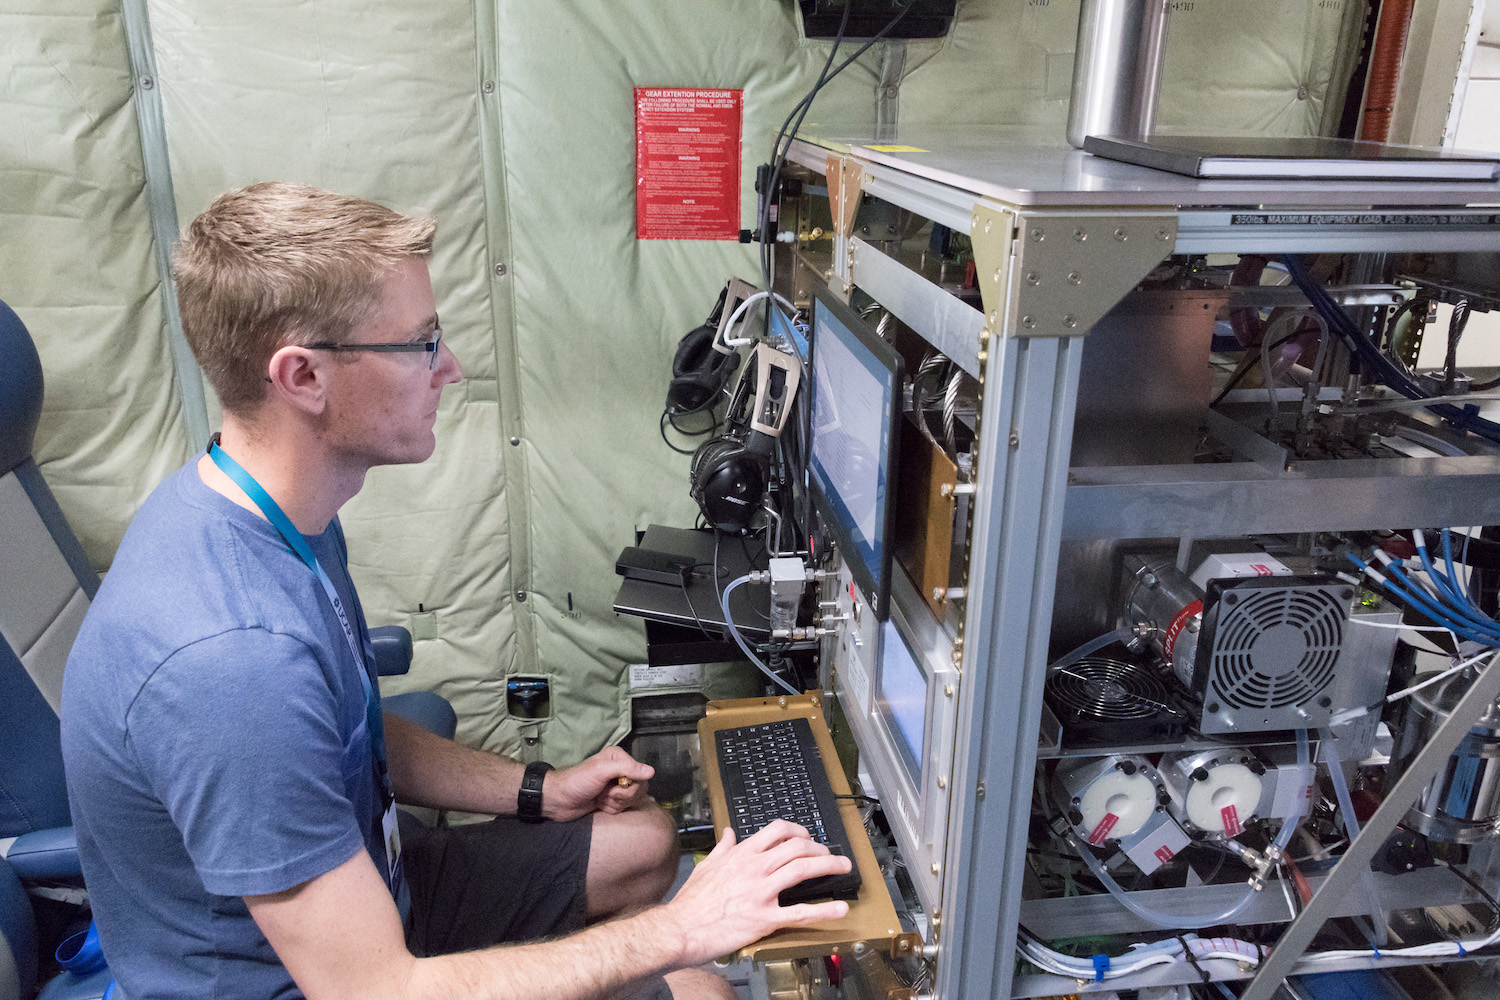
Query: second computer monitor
(856, 391)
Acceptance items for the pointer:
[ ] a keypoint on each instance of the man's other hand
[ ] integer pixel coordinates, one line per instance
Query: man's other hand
(595, 786)
(730, 899)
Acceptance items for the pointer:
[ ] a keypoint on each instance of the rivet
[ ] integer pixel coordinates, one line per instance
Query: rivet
(489, 87)
(999, 272)
(1015, 438)
(521, 597)
(1163, 235)
(1070, 321)
(1121, 235)
(979, 790)
(1032, 278)
(986, 225)
(147, 83)
(499, 270)
(1075, 278)
(1037, 235)
(860, 947)
(1028, 322)
(891, 92)
(515, 441)
(1080, 235)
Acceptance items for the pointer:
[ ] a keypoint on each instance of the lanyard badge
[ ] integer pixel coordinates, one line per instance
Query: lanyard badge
(373, 719)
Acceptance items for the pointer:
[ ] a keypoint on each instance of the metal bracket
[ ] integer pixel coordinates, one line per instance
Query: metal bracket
(990, 231)
(1071, 270)
(844, 180)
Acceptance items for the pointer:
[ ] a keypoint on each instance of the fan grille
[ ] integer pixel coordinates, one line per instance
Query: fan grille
(1277, 647)
(1103, 688)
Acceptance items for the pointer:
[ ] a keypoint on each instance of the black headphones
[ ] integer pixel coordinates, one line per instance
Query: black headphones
(727, 476)
(699, 372)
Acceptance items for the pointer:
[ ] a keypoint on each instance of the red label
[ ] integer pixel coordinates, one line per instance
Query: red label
(1164, 854)
(1261, 569)
(687, 163)
(1102, 830)
(1175, 629)
(1231, 817)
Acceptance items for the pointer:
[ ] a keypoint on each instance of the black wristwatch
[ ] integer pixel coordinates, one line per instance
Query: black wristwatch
(529, 800)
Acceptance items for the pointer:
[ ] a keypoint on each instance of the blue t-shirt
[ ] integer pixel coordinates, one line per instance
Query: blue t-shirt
(215, 741)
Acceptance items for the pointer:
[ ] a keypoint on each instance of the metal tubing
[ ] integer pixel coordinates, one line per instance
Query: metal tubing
(1356, 860)
(1117, 68)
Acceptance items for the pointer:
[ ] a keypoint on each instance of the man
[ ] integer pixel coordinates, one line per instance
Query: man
(230, 772)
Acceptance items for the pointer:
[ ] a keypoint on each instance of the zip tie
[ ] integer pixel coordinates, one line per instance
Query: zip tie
(1192, 960)
(1376, 949)
(1101, 966)
(1461, 952)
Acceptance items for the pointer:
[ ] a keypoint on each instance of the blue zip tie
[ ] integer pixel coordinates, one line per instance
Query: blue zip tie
(1101, 966)
(1376, 949)
(1461, 952)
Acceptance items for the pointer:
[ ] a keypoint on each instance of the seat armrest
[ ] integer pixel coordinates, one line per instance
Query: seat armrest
(392, 650)
(44, 855)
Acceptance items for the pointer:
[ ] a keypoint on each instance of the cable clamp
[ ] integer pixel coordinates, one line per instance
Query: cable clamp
(1101, 966)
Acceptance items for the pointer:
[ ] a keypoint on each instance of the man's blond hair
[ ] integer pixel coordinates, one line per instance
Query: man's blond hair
(275, 264)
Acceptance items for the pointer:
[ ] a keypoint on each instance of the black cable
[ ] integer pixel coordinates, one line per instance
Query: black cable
(862, 798)
(662, 426)
(1488, 899)
(694, 611)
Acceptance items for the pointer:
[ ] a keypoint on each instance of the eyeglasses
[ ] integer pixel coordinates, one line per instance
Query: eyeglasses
(430, 346)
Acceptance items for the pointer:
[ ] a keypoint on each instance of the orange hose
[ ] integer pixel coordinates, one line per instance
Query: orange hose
(1385, 69)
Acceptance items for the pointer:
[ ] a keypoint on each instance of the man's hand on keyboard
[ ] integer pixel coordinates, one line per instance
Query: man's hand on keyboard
(595, 786)
(730, 899)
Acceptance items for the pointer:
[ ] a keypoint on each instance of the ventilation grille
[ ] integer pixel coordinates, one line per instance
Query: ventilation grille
(1098, 687)
(1275, 647)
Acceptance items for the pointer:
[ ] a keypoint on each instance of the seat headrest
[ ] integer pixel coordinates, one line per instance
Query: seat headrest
(20, 390)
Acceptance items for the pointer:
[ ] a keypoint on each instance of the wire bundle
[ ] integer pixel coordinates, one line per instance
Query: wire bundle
(1185, 948)
(1444, 599)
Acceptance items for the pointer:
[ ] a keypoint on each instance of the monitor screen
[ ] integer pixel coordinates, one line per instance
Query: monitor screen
(856, 383)
(902, 696)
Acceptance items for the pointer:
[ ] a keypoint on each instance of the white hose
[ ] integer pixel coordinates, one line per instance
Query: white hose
(749, 653)
(745, 305)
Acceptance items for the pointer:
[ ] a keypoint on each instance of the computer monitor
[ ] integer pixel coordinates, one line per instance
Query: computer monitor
(856, 386)
(901, 694)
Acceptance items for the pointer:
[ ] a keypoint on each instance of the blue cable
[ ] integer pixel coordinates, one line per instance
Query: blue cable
(1474, 631)
(1481, 624)
(1464, 418)
(1425, 606)
(1442, 581)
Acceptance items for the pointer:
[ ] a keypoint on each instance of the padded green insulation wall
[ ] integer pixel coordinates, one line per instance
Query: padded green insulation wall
(512, 121)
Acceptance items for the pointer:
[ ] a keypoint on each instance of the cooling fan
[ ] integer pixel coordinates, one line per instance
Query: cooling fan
(1104, 699)
(1270, 653)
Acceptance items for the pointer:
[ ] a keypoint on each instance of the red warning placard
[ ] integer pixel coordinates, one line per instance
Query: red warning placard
(687, 163)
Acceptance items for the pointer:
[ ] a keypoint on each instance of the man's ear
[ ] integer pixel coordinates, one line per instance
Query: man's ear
(298, 378)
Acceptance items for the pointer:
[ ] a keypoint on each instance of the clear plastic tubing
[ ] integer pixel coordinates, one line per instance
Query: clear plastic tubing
(1351, 826)
(1122, 634)
(1175, 921)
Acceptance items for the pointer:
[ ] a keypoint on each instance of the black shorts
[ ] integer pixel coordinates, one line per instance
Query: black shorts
(499, 882)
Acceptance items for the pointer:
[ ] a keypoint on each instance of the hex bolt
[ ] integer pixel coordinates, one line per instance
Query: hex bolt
(999, 273)
(1015, 439)
(1070, 321)
(1164, 235)
(1080, 235)
(1028, 322)
(947, 690)
(1075, 278)
(979, 790)
(1038, 234)
(942, 782)
(1121, 235)
(1032, 278)
(936, 868)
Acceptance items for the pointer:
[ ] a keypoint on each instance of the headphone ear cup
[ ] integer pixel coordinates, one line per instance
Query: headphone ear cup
(728, 483)
(699, 374)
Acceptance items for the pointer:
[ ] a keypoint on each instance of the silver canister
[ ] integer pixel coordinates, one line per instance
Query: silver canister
(1117, 68)
(1159, 595)
(1461, 805)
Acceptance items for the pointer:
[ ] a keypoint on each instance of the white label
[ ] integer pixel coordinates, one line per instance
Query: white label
(643, 676)
(858, 681)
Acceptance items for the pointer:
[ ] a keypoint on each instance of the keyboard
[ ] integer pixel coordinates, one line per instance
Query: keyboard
(774, 770)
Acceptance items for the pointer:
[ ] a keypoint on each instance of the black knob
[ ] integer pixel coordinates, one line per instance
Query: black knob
(1128, 766)
(1199, 774)
(1075, 817)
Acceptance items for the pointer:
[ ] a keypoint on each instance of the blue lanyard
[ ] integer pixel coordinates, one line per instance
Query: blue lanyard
(293, 537)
